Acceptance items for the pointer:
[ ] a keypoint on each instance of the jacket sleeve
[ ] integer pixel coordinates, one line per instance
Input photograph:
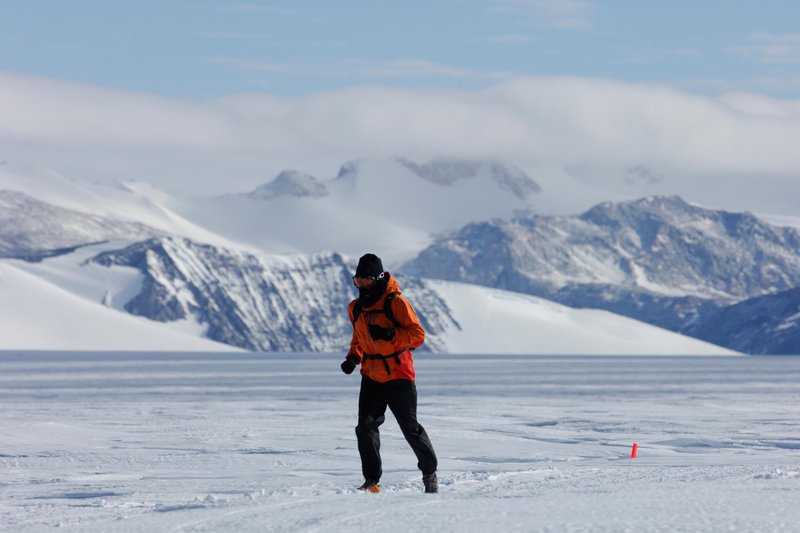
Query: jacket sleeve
(355, 347)
(410, 335)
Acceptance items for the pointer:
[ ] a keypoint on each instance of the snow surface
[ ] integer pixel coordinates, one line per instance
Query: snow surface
(241, 442)
(496, 321)
(36, 314)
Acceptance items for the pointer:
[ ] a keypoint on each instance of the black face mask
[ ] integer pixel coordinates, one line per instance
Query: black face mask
(369, 297)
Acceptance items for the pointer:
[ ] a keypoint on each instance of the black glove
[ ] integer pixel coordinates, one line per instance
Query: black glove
(381, 334)
(349, 364)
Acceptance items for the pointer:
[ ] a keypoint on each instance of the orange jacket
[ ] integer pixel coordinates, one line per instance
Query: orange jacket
(400, 362)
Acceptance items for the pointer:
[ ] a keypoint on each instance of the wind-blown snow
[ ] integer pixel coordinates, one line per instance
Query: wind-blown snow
(242, 442)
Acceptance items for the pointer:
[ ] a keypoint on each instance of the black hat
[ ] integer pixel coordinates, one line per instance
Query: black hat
(369, 265)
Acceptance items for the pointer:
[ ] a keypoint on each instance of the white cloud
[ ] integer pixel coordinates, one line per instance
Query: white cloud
(566, 122)
(48, 111)
(775, 83)
(758, 105)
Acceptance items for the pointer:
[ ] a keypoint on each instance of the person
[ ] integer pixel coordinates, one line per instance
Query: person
(385, 331)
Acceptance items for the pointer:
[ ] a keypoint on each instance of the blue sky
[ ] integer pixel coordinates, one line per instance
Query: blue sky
(200, 49)
(215, 96)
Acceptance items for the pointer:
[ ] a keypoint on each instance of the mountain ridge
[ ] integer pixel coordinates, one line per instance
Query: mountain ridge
(657, 259)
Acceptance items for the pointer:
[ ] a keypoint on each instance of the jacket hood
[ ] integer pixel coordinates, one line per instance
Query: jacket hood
(392, 285)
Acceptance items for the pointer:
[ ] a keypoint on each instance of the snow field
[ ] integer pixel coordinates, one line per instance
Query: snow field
(243, 442)
(36, 313)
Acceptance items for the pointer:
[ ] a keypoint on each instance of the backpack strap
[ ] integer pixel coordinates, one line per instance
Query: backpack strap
(387, 309)
(384, 358)
(356, 311)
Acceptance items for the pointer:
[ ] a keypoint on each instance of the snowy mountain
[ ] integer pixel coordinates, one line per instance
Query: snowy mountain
(658, 259)
(217, 267)
(391, 207)
(298, 303)
(290, 183)
(762, 325)
(446, 172)
(59, 204)
(31, 229)
(280, 304)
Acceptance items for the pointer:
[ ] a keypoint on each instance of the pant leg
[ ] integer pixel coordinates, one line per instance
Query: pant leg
(371, 414)
(403, 403)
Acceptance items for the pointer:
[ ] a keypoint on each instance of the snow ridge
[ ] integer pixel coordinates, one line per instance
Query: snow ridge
(31, 229)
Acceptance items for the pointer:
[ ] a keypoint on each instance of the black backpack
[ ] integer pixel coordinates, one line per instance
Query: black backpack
(387, 309)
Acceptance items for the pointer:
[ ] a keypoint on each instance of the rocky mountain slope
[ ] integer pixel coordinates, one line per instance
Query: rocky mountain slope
(762, 325)
(659, 259)
(295, 303)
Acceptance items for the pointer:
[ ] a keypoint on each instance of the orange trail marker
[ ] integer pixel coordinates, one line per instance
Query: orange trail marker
(634, 450)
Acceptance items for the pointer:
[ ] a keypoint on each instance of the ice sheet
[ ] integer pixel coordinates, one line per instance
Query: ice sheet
(244, 442)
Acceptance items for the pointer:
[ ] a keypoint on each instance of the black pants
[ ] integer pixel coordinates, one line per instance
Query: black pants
(401, 397)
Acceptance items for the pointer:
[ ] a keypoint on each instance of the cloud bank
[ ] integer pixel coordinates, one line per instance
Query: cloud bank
(226, 144)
